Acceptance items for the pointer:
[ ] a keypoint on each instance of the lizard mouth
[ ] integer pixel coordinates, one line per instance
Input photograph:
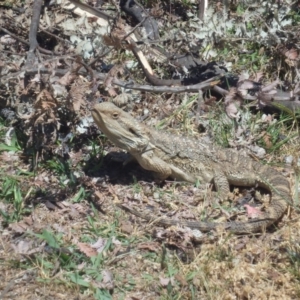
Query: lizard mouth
(120, 134)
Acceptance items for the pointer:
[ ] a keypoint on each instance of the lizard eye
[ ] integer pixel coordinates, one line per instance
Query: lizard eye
(115, 115)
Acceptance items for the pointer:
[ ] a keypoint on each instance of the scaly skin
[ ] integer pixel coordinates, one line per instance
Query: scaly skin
(188, 159)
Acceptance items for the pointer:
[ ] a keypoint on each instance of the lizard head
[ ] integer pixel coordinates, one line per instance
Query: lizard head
(120, 127)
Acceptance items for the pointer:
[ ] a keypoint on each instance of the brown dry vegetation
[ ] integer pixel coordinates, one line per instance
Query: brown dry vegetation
(62, 236)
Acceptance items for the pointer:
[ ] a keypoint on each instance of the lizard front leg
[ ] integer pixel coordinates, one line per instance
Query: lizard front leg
(162, 170)
(149, 161)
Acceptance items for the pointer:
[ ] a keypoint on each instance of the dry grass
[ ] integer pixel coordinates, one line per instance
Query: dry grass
(145, 261)
(61, 233)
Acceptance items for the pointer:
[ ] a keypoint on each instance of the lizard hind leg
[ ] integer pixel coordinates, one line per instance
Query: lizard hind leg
(222, 192)
(222, 186)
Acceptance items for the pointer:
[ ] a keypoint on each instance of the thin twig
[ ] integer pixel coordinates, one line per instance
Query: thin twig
(133, 29)
(33, 44)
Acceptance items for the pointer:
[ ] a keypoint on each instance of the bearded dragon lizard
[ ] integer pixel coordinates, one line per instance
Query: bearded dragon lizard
(188, 159)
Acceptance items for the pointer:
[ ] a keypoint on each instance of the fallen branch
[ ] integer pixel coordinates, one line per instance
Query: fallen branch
(33, 44)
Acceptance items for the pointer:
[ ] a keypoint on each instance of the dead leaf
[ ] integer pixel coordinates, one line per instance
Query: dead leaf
(126, 227)
(99, 245)
(87, 249)
(113, 72)
(22, 226)
(233, 102)
(26, 248)
(77, 93)
(232, 111)
(291, 53)
(45, 101)
(81, 266)
(271, 87)
(50, 205)
(112, 92)
(36, 78)
(187, 214)
(107, 280)
(165, 281)
(67, 79)
(151, 246)
(267, 140)
(252, 212)
(258, 76)
(181, 280)
(8, 156)
(22, 247)
(79, 208)
(240, 246)
(7, 40)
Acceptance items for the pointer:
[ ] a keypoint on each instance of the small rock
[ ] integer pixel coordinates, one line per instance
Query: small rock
(156, 195)
(146, 112)
(289, 159)
(258, 151)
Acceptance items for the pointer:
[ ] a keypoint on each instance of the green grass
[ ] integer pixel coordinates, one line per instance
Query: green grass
(62, 168)
(68, 260)
(139, 261)
(146, 260)
(11, 194)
